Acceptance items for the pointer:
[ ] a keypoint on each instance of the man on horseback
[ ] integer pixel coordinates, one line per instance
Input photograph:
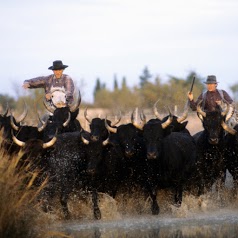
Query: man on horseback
(56, 82)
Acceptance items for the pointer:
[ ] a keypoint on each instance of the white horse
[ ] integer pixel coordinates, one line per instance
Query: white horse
(58, 97)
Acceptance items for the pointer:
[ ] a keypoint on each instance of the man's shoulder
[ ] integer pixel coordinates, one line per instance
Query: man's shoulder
(66, 76)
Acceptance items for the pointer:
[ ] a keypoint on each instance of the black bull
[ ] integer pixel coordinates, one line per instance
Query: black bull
(211, 149)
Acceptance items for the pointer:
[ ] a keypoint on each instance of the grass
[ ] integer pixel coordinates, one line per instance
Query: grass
(18, 214)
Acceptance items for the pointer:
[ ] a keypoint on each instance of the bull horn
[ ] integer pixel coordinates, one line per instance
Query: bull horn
(68, 120)
(135, 124)
(84, 140)
(143, 117)
(184, 115)
(168, 121)
(116, 122)
(105, 142)
(75, 106)
(17, 141)
(230, 109)
(227, 108)
(228, 129)
(50, 143)
(6, 111)
(23, 115)
(199, 109)
(109, 128)
(48, 107)
(86, 117)
(14, 126)
(44, 123)
(156, 113)
(230, 113)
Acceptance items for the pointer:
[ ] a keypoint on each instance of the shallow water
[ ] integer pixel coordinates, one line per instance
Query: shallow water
(218, 224)
(128, 216)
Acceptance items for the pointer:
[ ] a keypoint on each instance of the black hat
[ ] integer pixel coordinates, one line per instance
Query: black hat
(58, 65)
(211, 79)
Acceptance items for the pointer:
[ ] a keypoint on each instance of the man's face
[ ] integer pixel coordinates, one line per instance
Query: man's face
(211, 87)
(58, 73)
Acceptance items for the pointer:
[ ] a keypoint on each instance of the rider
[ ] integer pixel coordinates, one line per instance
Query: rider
(55, 80)
(212, 97)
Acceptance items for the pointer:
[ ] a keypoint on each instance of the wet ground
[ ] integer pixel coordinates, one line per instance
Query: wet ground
(218, 224)
(214, 214)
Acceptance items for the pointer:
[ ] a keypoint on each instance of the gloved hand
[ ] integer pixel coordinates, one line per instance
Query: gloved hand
(190, 96)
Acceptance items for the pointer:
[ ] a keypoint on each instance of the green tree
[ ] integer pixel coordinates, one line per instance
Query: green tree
(97, 88)
(115, 83)
(124, 84)
(144, 78)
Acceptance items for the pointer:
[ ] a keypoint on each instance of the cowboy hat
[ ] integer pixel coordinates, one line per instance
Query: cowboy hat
(211, 79)
(58, 65)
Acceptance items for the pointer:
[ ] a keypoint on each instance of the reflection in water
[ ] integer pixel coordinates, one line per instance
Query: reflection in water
(222, 225)
(128, 216)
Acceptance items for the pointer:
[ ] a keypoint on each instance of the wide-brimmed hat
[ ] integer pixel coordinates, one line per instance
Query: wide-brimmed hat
(57, 65)
(211, 79)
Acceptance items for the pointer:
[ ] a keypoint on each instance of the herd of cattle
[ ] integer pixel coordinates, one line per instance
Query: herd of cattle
(154, 154)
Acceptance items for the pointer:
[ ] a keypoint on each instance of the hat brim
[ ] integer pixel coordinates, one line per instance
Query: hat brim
(210, 82)
(58, 68)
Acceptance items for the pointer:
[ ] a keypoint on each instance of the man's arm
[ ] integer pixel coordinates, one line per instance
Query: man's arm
(38, 82)
(192, 103)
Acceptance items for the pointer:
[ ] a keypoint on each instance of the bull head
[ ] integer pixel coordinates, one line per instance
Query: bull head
(72, 107)
(86, 141)
(90, 121)
(44, 145)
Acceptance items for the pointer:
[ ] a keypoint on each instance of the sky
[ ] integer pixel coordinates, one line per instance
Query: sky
(104, 38)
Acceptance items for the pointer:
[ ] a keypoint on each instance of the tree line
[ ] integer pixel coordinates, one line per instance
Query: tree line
(148, 90)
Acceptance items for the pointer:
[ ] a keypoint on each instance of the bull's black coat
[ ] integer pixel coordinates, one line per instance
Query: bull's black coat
(172, 156)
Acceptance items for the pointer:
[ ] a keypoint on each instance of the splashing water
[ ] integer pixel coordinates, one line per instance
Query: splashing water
(129, 215)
